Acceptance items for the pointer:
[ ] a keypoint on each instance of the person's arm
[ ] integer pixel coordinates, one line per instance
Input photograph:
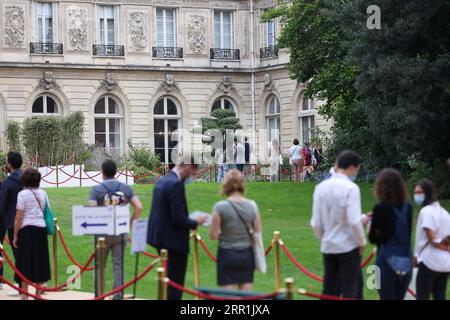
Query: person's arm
(377, 226)
(214, 231)
(353, 206)
(92, 198)
(316, 221)
(4, 195)
(178, 208)
(17, 224)
(137, 206)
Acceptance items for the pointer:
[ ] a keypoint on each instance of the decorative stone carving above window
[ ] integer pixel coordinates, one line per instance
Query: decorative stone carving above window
(168, 83)
(226, 85)
(14, 26)
(47, 81)
(196, 33)
(77, 26)
(110, 82)
(138, 30)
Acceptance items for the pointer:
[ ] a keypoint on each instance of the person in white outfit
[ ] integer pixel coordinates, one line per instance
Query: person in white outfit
(274, 160)
(432, 251)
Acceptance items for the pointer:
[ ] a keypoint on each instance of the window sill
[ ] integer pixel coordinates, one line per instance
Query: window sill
(224, 60)
(46, 55)
(168, 59)
(108, 57)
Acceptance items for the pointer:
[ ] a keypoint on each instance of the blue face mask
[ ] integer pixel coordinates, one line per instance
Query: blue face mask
(353, 178)
(419, 198)
(187, 181)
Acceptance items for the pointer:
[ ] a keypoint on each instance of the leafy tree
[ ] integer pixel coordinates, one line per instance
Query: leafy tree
(12, 133)
(387, 90)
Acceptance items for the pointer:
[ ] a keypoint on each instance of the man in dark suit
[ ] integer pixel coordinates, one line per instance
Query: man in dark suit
(8, 197)
(169, 223)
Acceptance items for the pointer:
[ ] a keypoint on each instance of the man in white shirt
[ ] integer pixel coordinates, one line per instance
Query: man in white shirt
(337, 224)
(239, 154)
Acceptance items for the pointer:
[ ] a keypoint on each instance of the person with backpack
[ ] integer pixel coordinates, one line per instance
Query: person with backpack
(432, 251)
(113, 192)
(390, 230)
(9, 190)
(296, 160)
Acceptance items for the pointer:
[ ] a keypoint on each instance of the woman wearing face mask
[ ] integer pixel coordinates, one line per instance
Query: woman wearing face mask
(390, 230)
(432, 252)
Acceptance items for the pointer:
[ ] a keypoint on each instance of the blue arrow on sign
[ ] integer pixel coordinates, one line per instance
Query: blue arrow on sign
(123, 224)
(85, 225)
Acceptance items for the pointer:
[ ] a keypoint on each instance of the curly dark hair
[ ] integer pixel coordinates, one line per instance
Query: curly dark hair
(390, 187)
(30, 178)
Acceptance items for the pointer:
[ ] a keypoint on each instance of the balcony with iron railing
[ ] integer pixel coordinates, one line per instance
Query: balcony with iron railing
(46, 48)
(224, 54)
(268, 52)
(167, 52)
(108, 50)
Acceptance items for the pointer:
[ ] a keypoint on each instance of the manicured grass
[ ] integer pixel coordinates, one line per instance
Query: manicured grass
(284, 206)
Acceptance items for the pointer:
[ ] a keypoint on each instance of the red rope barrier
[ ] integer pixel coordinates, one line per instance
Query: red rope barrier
(412, 293)
(298, 265)
(66, 249)
(209, 253)
(322, 296)
(367, 260)
(129, 283)
(60, 182)
(145, 253)
(212, 297)
(269, 248)
(20, 289)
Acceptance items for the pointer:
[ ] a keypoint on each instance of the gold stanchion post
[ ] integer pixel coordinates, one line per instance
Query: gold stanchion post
(289, 283)
(55, 252)
(101, 246)
(196, 237)
(164, 257)
(276, 239)
(162, 285)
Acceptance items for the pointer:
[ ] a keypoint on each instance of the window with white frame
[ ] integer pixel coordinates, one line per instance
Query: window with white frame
(273, 119)
(223, 29)
(224, 103)
(45, 105)
(166, 27)
(106, 25)
(270, 33)
(167, 119)
(44, 17)
(306, 119)
(108, 125)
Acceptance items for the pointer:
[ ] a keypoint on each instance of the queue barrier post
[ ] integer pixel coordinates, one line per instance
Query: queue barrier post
(196, 237)
(289, 284)
(162, 284)
(55, 252)
(276, 240)
(164, 257)
(101, 246)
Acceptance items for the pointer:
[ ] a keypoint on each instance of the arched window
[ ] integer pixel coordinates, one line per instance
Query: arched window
(108, 125)
(167, 119)
(223, 103)
(45, 104)
(273, 119)
(306, 119)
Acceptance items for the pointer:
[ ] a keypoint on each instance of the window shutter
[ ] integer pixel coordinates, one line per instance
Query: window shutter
(55, 22)
(159, 28)
(116, 24)
(170, 28)
(217, 32)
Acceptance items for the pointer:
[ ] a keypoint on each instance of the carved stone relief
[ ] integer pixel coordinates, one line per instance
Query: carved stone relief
(47, 81)
(109, 83)
(168, 83)
(14, 26)
(226, 85)
(138, 31)
(196, 34)
(77, 27)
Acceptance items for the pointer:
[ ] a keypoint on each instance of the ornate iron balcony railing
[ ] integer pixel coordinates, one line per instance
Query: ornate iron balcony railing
(108, 50)
(268, 52)
(167, 52)
(224, 54)
(46, 48)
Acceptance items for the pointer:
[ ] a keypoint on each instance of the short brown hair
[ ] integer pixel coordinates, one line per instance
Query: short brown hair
(30, 178)
(234, 181)
(390, 188)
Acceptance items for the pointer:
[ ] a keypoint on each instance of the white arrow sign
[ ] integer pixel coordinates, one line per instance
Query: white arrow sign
(100, 220)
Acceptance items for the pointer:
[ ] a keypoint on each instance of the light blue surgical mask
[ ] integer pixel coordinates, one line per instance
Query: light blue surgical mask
(353, 178)
(419, 198)
(187, 181)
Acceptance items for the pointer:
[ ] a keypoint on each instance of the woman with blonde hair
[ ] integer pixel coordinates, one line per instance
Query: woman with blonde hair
(234, 221)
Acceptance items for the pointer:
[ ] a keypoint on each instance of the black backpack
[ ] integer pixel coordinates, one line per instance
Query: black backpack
(114, 198)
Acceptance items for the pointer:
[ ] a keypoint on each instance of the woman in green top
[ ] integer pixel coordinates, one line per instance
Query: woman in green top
(233, 222)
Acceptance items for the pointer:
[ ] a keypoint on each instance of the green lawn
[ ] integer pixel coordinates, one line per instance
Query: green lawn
(284, 206)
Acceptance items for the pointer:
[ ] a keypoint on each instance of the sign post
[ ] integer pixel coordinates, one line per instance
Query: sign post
(138, 245)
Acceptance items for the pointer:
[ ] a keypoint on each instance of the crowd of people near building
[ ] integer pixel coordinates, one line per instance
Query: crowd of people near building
(337, 221)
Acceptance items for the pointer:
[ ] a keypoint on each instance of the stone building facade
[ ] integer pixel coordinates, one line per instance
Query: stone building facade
(138, 69)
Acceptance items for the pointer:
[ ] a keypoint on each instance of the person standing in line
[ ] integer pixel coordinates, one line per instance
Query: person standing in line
(247, 152)
(336, 222)
(30, 232)
(114, 192)
(432, 251)
(274, 161)
(9, 190)
(232, 221)
(390, 230)
(296, 160)
(2, 236)
(238, 154)
(169, 222)
(220, 154)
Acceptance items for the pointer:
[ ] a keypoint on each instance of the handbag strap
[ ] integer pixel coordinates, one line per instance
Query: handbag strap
(249, 231)
(37, 200)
